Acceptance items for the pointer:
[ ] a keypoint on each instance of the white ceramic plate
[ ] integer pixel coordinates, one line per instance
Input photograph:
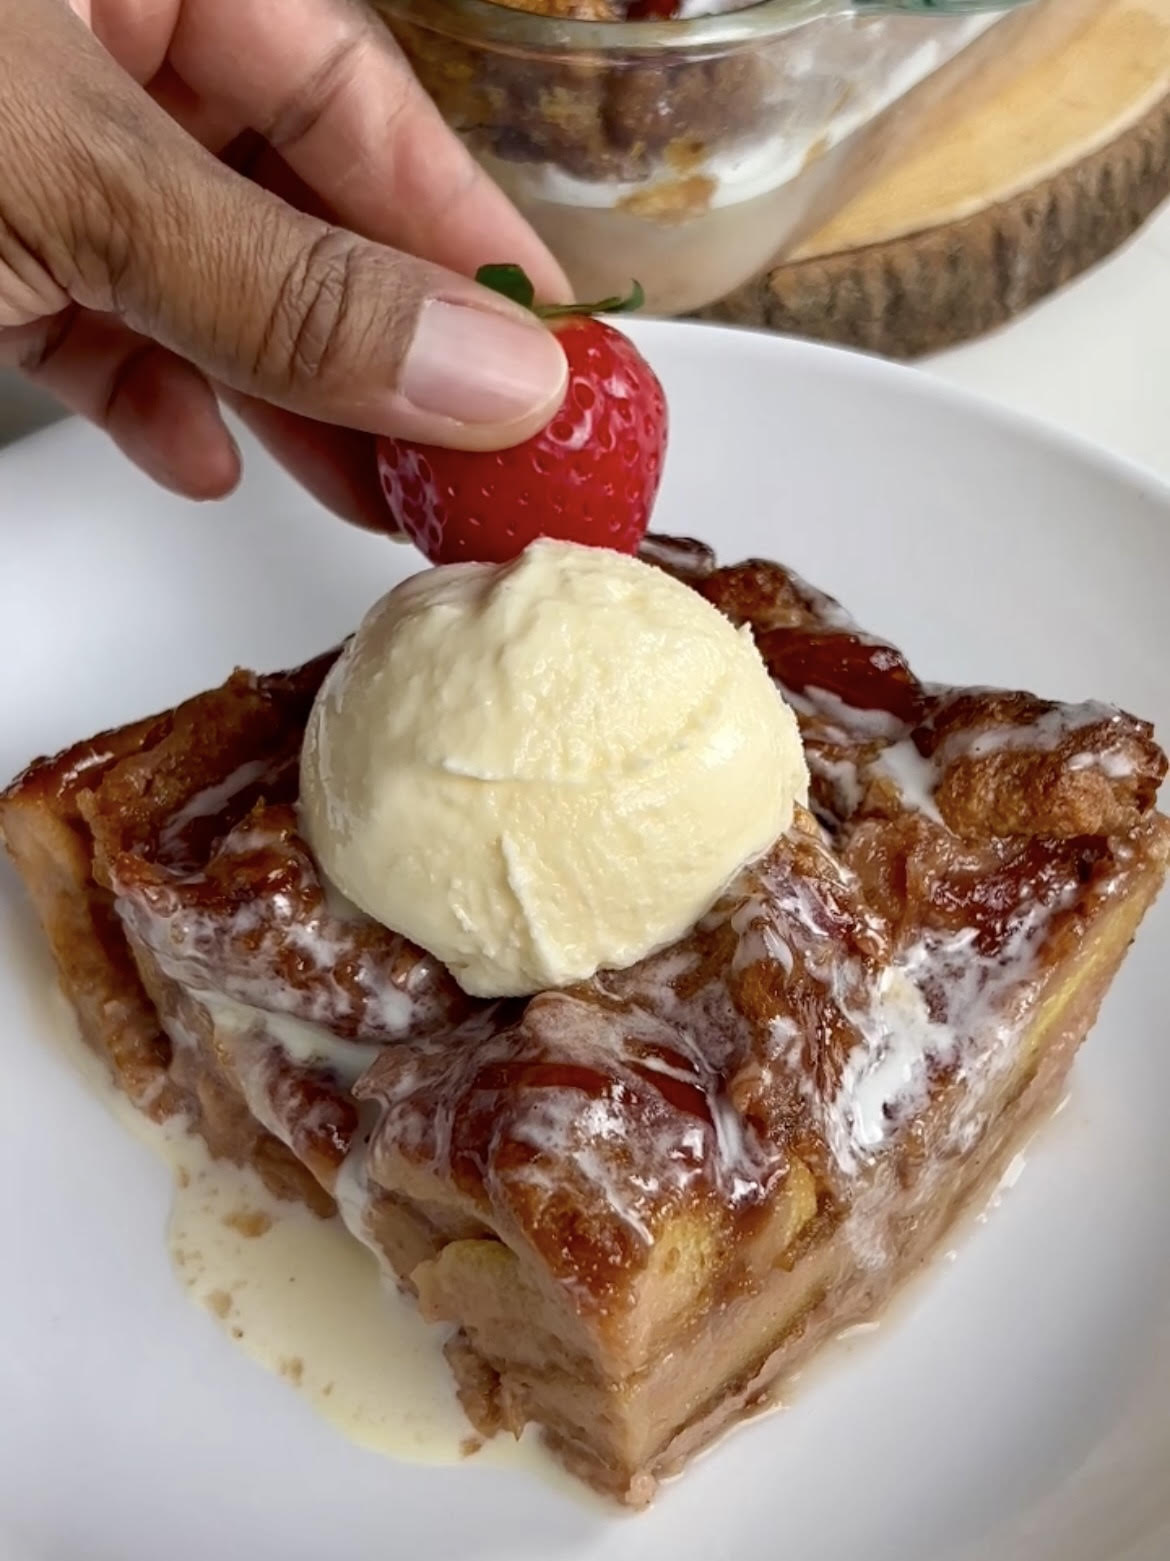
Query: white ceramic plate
(1015, 1406)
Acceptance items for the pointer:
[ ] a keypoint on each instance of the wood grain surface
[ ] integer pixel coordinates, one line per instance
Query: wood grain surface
(1038, 173)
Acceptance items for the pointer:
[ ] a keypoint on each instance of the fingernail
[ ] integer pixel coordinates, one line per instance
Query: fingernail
(477, 366)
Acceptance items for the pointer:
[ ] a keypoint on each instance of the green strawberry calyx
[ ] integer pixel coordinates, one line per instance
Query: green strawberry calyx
(512, 282)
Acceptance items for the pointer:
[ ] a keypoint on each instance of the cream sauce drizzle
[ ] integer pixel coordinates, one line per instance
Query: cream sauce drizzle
(304, 1299)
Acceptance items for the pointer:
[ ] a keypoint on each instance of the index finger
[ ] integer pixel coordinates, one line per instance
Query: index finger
(326, 84)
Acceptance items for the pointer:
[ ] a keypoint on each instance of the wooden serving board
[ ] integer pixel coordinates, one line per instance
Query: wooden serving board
(1007, 195)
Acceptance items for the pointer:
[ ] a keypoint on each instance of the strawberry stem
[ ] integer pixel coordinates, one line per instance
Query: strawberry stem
(512, 282)
(632, 302)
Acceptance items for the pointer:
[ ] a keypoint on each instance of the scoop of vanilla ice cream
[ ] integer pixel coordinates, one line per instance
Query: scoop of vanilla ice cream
(539, 769)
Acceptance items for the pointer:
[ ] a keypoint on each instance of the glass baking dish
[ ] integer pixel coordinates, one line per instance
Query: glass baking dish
(685, 154)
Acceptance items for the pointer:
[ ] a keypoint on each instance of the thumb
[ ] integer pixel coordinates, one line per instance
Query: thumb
(315, 319)
(272, 302)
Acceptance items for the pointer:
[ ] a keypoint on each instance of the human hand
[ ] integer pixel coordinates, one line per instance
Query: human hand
(142, 274)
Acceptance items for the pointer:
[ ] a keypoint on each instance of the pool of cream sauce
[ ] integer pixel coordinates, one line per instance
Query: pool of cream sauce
(305, 1300)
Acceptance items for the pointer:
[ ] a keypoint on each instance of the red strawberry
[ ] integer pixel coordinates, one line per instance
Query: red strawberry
(590, 476)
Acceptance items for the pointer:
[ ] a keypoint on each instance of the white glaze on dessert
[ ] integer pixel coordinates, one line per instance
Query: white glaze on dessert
(886, 1076)
(914, 776)
(1110, 746)
(187, 947)
(1115, 765)
(1048, 732)
(308, 1045)
(847, 722)
(210, 802)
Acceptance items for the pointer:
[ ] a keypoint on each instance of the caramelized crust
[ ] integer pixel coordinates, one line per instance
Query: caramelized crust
(643, 1199)
(1011, 764)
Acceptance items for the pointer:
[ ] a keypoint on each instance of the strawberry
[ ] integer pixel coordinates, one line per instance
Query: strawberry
(591, 476)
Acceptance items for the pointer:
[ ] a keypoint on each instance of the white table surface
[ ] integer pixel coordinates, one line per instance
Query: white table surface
(1095, 359)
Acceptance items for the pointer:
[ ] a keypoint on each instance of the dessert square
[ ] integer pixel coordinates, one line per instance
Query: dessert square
(638, 1202)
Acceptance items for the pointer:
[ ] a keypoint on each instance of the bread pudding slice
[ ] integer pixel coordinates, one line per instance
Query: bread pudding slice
(640, 1202)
